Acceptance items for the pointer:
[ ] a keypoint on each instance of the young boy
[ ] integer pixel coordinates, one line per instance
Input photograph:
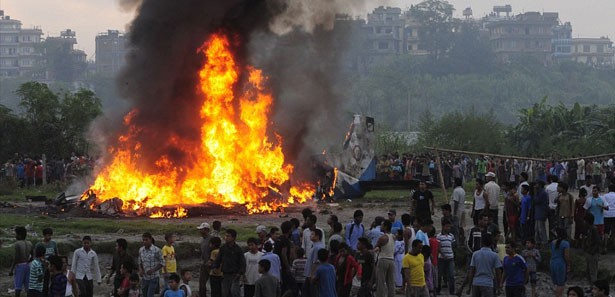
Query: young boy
(72, 288)
(515, 272)
(174, 290)
(324, 276)
(168, 253)
(267, 285)
(299, 267)
(532, 256)
(37, 273)
(217, 229)
(57, 278)
(366, 259)
(135, 288)
(51, 248)
(253, 256)
(184, 285)
(446, 258)
(215, 274)
(126, 272)
(23, 254)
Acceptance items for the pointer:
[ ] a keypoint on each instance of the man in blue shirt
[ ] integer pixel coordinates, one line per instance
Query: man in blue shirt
(426, 227)
(355, 230)
(515, 272)
(392, 214)
(325, 276)
(484, 269)
(312, 258)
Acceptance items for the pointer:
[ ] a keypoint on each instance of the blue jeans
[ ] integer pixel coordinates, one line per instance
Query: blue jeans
(148, 287)
(446, 266)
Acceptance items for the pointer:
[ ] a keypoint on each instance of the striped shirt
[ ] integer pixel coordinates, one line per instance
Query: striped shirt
(37, 271)
(446, 246)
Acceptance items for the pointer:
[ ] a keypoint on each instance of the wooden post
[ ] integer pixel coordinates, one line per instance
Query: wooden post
(440, 175)
(44, 169)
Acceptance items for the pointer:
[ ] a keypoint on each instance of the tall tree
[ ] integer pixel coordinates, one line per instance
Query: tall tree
(436, 20)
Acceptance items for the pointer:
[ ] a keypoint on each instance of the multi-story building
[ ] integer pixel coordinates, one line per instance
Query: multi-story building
(562, 42)
(384, 31)
(110, 52)
(62, 60)
(596, 52)
(19, 48)
(528, 34)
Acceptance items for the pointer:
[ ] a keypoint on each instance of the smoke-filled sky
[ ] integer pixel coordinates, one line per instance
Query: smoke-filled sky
(590, 18)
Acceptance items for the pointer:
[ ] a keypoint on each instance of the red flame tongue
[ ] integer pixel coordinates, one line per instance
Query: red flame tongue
(238, 162)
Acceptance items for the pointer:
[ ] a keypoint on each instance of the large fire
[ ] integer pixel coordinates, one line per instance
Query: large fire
(238, 164)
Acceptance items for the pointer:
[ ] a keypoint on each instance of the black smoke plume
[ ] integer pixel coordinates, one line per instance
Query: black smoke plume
(290, 40)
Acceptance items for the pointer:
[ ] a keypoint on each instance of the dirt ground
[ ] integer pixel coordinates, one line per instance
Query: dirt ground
(343, 210)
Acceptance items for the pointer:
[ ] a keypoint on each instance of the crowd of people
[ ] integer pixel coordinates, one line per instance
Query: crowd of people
(392, 255)
(28, 171)
(395, 166)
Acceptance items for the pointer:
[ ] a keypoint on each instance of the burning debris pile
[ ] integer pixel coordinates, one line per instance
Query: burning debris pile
(203, 129)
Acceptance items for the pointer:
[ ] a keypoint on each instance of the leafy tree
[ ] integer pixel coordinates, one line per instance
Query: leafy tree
(76, 113)
(464, 131)
(436, 20)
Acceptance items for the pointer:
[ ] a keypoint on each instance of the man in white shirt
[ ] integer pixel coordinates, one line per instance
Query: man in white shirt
(85, 261)
(307, 234)
(493, 194)
(581, 172)
(458, 201)
(551, 190)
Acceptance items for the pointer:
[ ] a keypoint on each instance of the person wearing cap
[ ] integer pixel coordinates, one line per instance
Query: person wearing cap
(396, 225)
(205, 253)
(261, 231)
(493, 194)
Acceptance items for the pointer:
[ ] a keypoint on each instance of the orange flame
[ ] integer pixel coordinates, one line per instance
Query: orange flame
(237, 162)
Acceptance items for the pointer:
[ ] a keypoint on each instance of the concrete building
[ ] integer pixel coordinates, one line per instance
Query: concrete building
(528, 34)
(19, 48)
(62, 61)
(384, 31)
(110, 52)
(596, 52)
(562, 42)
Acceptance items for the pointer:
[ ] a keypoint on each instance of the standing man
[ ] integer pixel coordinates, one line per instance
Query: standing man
(232, 263)
(485, 270)
(423, 202)
(515, 272)
(310, 223)
(121, 257)
(84, 262)
(553, 194)
(541, 213)
(493, 194)
(565, 212)
(396, 225)
(205, 253)
(150, 262)
(385, 266)
(355, 230)
(458, 200)
(580, 172)
(414, 274)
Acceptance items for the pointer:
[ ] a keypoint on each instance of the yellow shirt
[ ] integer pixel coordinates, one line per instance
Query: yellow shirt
(168, 253)
(212, 256)
(415, 264)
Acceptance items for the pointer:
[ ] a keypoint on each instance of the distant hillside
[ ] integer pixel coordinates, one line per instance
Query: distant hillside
(386, 90)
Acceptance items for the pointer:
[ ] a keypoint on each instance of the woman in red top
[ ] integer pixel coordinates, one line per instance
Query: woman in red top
(346, 267)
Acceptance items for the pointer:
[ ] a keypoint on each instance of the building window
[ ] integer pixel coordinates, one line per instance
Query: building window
(409, 32)
(586, 48)
(388, 30)
(527, 31)
(599, 48)
(383, 45)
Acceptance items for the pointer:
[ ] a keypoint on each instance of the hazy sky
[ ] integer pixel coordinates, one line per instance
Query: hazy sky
(589, 18)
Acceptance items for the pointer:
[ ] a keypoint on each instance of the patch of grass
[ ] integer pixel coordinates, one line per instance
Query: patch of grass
(11, 192)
